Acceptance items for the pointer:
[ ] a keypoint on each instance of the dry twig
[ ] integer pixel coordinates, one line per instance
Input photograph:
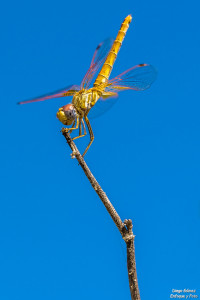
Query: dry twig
(125, 228)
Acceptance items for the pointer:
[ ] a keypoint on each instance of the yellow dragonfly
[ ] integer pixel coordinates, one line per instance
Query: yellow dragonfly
(138, 78)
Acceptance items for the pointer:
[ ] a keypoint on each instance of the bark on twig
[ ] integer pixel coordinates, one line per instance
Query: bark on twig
(125, 228)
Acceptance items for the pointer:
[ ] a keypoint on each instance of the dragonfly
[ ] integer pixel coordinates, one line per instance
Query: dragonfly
(75, 114)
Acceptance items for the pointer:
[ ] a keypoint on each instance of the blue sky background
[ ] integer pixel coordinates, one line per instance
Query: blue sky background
(56, 239)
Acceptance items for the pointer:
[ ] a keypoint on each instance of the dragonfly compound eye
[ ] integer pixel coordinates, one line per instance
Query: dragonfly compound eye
(67, 114)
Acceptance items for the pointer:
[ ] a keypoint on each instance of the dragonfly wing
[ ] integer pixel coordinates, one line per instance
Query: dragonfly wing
(98, 59)
(68, 91)
(138, 78)
(103, 105)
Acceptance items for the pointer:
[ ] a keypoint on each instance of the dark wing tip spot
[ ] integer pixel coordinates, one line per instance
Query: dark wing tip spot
(142, 65)
(99, 46)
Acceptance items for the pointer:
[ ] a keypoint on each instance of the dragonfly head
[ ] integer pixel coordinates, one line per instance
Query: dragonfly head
(67, 114)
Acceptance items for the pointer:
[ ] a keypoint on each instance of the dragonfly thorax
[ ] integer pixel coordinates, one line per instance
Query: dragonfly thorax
(84, 100)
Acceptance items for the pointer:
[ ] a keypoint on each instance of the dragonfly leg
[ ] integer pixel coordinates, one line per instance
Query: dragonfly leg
(70, 131)
(91, 134)
(80, 130)
(85, 132)
(73, 128)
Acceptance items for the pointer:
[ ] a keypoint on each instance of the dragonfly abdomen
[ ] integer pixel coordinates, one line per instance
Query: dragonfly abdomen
(110, 60)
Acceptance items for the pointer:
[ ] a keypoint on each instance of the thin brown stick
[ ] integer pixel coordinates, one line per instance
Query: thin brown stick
(125, 228)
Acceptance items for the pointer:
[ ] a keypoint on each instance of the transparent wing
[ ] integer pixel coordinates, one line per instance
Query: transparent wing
(138, 78)
(98, 59)
(102, 106)
(68, 91)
